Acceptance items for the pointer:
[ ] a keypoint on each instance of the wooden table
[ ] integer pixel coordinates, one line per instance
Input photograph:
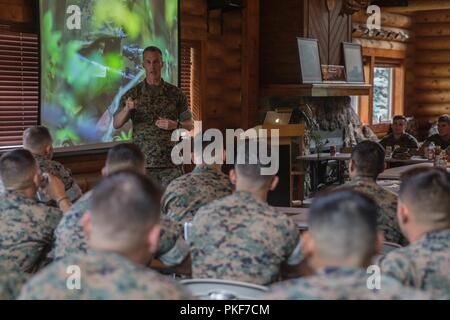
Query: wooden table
(341, 158)
(395, 173)
(347, 156)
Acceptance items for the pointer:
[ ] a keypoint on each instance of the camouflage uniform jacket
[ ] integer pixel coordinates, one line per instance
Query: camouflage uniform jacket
(11, 281)
(26, 231)
(424, 264)
(242, 238)
(70, 240)
(153, 102)
(342, 284)
(405, 141)
(55, 168)
(186, 194)
(103, 276)
(387, 201)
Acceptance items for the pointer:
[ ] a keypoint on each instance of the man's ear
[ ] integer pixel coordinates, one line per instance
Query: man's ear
(104, 171)
(274, 183)
(233, 176)
(379, 243)
(308, 245)
(49, 151)
(403, 213)
(86, 223)
(153, 238)
(351, 166)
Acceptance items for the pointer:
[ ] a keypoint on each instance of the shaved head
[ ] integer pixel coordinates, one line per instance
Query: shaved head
(17, 169)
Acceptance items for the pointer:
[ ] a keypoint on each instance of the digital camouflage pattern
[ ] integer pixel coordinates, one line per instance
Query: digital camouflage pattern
(387, 201)
(11, 282)
(405, 141)
(164, 176)
(154, 102)
(424, 264)
(26, 231)
(104, 276)
(342, 284)
(241, 238)
(186, 194)
(55, 168)
(69, 236)
(438, 141)
(70, 239)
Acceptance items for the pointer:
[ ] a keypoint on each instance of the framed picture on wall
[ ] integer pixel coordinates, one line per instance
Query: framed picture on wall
(353, 62)
(310, 69)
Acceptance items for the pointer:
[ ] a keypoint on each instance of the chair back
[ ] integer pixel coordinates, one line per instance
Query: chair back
(218, 289)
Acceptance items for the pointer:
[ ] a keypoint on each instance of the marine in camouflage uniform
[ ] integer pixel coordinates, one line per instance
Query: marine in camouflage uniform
(154, 102)
(26, 231)
(424, 264)
(11, 282)
(242, 238)
(341, 283)
(70, 240)
(387, 201)
(186, 194)
(405, 141)
(104, 276)
(55, 168)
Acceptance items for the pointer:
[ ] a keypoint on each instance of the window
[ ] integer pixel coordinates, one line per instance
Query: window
(19, 85)
(190, 75)
(355, 103)
(382, 94)
(385, 71)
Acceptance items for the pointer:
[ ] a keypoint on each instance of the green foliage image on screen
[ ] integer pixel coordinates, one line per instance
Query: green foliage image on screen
(91, 54)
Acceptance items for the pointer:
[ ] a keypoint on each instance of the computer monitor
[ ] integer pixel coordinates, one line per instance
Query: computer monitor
(278, 118)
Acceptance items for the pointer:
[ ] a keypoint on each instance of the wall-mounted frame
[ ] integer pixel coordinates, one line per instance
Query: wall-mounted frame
(310, 67)
(353, 62)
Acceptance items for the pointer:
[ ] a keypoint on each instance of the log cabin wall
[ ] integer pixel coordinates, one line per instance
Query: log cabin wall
(393, 42)
(432, 67)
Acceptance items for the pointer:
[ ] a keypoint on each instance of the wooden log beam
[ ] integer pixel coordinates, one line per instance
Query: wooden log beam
(433, 56)
(432, 70)
(432, 109)
(433, 17)
(433, 84)
(386, 33)
(433, 43)
(380, 44)
(433, 30)
(387, 19)
(420, 5)
(432, 96)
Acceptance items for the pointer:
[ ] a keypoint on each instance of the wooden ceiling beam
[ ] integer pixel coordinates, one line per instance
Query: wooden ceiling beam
(420, 5)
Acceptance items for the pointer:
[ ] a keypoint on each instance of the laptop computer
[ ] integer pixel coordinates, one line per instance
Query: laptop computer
(273, 117)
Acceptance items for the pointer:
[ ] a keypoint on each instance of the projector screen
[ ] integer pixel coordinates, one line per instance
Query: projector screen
(91, 54)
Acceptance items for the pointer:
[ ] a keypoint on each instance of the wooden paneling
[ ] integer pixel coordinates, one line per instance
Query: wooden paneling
(318, 27)
(431, 94)
(221, 86)
(283, 21)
